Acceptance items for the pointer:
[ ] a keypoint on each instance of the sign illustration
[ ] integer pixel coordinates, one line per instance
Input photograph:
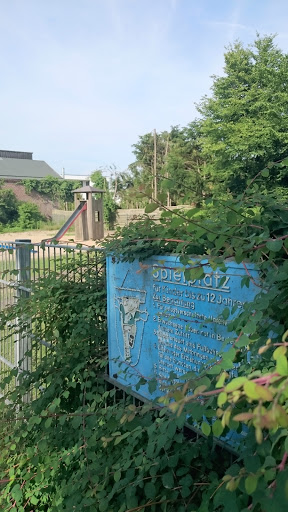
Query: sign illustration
(129, 322)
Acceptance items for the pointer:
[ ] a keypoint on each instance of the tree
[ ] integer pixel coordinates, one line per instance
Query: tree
(123, 189)
(8, 206)
(179, 165)
(245, 122)
(185, 166)
(143, 168)
(109, 205)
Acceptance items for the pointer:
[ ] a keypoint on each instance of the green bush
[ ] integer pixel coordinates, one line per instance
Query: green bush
(83, 446)
(54, 188)
(8, 206)
(29, 216)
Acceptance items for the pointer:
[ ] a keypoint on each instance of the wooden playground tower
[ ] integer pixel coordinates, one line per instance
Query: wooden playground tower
(89, 224)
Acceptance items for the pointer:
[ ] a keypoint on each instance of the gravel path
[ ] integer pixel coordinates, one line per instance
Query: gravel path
(38, 235)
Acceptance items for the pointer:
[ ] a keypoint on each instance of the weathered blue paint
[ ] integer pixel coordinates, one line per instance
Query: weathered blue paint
(158, 322)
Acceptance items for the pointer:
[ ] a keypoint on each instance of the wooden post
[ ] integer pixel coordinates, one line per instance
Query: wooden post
(81, 229)
(91, 217)
(99, 221)
(78, 222)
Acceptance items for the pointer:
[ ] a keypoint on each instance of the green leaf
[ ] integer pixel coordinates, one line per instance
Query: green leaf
(235, 384)
(185, 492)
(264, 393)
(16, 493)
(245, 281)
(221, 380)
(168, 480)
(77, 421)
(103, 505)
(243, 341)
(199, 390)
(215, 369)
(173, 460)
(152, 385)
(162, 198)
(270, 461)
(186, 481)
(274, 245)
(225, 313)
(281, 276)
(251, 484)
(282, 366)
(239, 256)
(265, 173)
(217, 428)
(117, 475)
(48, 422)
(229, 354)
(211, 236)
(251, 390)
(249, 328)
(219, 242)
(206, 429)
(150, 490)
(151, 207)
(231, 217)
(182, 471)
(194, 273)
(171, 429)
(222, 398)
(280, 351)
(252, 463)
(62, 419)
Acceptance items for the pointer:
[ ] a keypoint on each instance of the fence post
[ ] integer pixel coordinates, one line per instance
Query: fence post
(22, 340)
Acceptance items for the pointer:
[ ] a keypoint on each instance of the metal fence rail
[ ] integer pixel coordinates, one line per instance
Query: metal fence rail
(22, 265)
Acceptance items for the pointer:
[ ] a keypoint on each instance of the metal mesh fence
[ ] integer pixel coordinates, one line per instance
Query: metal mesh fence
(22, 266)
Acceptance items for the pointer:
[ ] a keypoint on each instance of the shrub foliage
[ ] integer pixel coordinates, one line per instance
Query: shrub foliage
(82, 444)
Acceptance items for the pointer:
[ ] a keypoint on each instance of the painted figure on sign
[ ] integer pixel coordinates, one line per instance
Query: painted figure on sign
(130, 314)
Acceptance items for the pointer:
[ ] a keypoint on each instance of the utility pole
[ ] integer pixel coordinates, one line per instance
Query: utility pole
(167, 174)
(155, 166)
(115, 186)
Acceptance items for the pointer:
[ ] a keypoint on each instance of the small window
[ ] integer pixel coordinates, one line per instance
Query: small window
(87, 183)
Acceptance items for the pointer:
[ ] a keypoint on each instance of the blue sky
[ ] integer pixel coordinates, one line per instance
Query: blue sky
(81, 80)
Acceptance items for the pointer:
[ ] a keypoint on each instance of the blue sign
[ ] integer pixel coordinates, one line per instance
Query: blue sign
(159, 322)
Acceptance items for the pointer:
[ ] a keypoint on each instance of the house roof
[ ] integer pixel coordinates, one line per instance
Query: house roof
(76, 177)
(21, 168)
(88, 189)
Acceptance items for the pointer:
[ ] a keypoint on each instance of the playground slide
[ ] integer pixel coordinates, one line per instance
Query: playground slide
(81, 208)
